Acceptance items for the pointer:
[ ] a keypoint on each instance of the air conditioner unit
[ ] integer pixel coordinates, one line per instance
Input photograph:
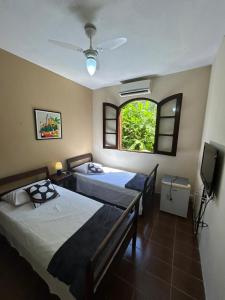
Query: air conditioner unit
(135, 88)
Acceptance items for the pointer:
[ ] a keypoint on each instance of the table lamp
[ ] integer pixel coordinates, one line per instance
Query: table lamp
(58, 167)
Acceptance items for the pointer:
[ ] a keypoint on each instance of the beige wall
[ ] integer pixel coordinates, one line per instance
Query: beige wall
(24, 86)
(212, 239)
(194, 86)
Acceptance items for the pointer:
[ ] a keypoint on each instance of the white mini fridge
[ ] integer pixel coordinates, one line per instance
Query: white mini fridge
(175, 194)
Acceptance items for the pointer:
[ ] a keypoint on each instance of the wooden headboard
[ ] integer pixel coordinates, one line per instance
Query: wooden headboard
(78, 160)
(16, 181)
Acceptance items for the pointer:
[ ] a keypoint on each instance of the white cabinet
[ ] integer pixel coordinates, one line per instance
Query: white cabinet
(175, 194)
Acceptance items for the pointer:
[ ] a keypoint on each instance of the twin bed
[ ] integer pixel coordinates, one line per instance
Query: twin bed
(38, 234)
(72, 240)
(110, 187)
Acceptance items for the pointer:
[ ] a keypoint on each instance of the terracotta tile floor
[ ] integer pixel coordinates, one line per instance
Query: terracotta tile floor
(164, 266)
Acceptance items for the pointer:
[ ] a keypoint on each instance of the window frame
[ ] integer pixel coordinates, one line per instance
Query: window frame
(113, 106)
(160, 104)
(176, 117)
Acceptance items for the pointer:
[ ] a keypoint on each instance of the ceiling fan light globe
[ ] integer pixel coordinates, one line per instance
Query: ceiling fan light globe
(91, 65)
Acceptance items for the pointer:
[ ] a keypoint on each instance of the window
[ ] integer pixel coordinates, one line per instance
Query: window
(137, 125)
(143, 125)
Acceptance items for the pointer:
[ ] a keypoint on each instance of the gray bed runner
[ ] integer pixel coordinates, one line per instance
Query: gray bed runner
(137, 183)
(69, 263)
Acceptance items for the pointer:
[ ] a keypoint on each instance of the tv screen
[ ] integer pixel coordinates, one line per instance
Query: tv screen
(208, 166)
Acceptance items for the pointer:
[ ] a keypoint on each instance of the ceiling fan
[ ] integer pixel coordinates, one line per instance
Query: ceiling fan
(92, 53)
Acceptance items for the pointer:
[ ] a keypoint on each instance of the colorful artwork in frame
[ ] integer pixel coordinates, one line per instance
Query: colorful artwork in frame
(48, 124)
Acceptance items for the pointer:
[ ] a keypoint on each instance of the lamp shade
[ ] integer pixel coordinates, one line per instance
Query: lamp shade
(91, 65)
(58, 165)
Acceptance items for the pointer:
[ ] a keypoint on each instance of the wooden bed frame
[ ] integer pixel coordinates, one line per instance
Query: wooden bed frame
(22, 177)
(129, 232)
(76, 161)
(149, 186)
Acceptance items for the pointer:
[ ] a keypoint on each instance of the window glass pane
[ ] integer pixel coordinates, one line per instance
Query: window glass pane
(138, 122)
(166, 126)
(110, 140)
(110, 113)
(110, 126)
(169, 108)
(165, 143)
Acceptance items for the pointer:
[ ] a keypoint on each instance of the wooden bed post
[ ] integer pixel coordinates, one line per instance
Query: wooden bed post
(134, 238)
(89, 293)
(149, 186)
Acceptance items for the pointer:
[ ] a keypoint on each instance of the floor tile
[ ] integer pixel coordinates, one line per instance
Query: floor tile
(161, 226)
(136, 257)
(162, 239)
(141, 242)
(139, 296)
(114, 288)
(162, 230)
(152, 289)
(187, 250)
(144, 230)
(159, 269)
(154, 249)
(186, 239)
(187, 265)
(188, 284)
(143, 282)
(187, 228)
(166, 218)
(178, 295)
(184, 221)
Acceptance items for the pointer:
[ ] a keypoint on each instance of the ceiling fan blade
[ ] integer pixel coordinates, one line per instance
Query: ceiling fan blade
(66, 45)
(112, 44)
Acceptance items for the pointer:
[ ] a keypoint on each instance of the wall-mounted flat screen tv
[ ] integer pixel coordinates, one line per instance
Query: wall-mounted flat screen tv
(210, 155)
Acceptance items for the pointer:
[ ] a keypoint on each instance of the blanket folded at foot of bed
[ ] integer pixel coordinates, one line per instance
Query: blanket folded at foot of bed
(137, 182)
(69, 263)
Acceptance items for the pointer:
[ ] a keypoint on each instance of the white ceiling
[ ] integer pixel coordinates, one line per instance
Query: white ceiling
(164, 36)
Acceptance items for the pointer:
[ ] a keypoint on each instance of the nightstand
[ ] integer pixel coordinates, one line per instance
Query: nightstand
(65, 180)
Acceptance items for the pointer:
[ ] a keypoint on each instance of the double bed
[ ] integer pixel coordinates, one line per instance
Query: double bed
(39, 234)
(110, 187)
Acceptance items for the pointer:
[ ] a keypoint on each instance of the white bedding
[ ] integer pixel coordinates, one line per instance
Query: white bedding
(38, 233)
(108, 186)
(112, 176)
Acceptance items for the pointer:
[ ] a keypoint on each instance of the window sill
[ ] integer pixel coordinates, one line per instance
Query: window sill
(145, 152)
(132, 151)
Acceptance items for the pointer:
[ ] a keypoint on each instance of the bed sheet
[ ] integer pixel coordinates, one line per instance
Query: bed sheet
(38, 233)
(108, 186)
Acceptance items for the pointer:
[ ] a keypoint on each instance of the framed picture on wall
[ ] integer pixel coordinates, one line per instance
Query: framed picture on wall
(48, 124)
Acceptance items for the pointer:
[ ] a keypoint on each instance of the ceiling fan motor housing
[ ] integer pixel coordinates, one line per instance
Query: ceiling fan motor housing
(90, 29)
(91, 53)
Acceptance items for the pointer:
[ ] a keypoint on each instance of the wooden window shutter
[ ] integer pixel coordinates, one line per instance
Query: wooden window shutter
(110, 126)
(167, 125)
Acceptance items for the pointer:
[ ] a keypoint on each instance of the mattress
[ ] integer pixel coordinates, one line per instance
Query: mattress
(108, 186)
(38, 233)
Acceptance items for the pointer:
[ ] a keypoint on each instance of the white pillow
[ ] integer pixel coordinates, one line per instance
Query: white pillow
(19, 196)
(84, 167)
(81, 169)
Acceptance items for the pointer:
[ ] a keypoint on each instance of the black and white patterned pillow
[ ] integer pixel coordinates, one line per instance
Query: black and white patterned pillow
(40, 193)
(95, 169)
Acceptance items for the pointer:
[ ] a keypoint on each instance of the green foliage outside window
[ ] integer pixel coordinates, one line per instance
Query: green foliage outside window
(138, 122)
